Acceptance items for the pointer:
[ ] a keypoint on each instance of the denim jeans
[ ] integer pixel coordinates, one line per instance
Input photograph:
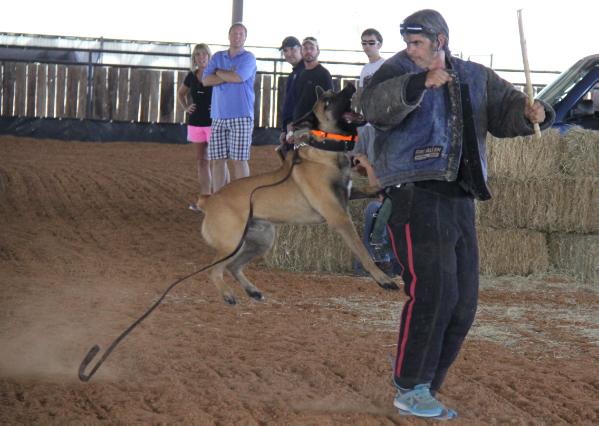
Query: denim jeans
(370, 215)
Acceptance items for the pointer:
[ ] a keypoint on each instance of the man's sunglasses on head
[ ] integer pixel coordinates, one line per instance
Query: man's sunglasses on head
(414, 29)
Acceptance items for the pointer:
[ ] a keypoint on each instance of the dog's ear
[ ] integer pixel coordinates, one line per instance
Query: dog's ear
(319, 91)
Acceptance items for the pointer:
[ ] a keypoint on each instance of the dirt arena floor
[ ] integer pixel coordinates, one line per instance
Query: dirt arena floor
(90, 236)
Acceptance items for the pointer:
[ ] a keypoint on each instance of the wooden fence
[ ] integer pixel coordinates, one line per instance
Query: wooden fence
(118, 93)
(122, 93)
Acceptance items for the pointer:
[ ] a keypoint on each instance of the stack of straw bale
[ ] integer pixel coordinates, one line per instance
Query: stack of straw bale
(315, 248)
(543, 215)
(544, 212)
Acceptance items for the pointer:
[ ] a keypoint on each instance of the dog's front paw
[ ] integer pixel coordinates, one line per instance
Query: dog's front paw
(255, 294)
(389, 285)
(392, 283)
(230, 299)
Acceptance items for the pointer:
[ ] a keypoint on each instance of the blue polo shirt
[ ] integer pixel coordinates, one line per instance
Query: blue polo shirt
(233, 100)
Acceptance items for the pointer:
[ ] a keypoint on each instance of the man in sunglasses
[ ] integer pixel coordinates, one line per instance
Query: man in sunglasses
(372, 41)
(432, 112)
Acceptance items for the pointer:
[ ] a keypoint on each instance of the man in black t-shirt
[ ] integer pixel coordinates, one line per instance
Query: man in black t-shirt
(291, 49)
(314, 75)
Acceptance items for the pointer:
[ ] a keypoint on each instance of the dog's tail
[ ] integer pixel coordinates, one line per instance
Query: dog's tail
(199, 204)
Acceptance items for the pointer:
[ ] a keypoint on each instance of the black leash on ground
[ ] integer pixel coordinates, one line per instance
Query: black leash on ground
(96, 348)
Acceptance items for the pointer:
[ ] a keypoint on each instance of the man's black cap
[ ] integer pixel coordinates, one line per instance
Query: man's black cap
(289, 42)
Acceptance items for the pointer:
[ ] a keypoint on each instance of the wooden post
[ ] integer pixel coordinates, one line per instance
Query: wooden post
(266, 92)
(31, 91)
(61, 89)
(154, 93)
(113, 87)
(237, 11)
(167, 98)
(531, 99)
(72, 90)
(41, 92)
(8, 89)
(51, 90)
(99, 93)
(122, 113)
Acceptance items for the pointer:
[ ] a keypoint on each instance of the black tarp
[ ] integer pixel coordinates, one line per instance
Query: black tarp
(46, 55)
(70, 129)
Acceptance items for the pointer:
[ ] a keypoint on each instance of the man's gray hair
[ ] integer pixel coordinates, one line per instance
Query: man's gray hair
(433, 21)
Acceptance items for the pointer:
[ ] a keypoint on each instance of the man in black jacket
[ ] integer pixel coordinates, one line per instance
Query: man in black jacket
(314, 75)
(432, 112)
(291, 50)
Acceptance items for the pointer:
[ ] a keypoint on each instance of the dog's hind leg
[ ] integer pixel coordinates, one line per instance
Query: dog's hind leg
(216, 276)
(258, 240)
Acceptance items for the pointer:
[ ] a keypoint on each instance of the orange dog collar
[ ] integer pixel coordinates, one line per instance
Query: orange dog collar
(333, 136)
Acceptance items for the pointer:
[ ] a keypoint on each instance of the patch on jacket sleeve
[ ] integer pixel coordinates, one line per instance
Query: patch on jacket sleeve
(427, 153)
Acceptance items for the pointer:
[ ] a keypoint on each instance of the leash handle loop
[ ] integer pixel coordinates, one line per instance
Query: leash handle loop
(91, 354)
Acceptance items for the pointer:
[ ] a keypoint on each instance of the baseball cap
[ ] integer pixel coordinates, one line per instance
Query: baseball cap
(311, 40)
(289, 42)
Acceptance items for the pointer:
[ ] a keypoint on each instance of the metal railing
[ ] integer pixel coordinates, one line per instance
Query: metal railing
(93, 87)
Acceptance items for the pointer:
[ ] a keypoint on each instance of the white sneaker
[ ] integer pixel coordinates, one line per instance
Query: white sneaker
(418, 401)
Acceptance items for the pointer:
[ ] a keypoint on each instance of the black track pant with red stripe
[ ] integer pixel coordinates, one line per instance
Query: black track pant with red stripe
(434, 238)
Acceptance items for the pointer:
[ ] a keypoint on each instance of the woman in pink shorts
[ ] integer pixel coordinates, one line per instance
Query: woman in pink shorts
(196, 100)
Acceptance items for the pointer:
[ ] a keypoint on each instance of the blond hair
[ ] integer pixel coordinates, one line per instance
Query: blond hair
(202, 47)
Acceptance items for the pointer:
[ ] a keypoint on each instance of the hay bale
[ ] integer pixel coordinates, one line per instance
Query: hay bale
(581, 153)
(575, 154)
(315, 248)
(524, 157)
(576, 255)
(512, 251)
(552, 205)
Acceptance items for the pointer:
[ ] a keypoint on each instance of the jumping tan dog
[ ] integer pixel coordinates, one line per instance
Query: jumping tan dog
(312, 186)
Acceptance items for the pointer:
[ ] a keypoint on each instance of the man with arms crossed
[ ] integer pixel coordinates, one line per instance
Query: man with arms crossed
(232, 73)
